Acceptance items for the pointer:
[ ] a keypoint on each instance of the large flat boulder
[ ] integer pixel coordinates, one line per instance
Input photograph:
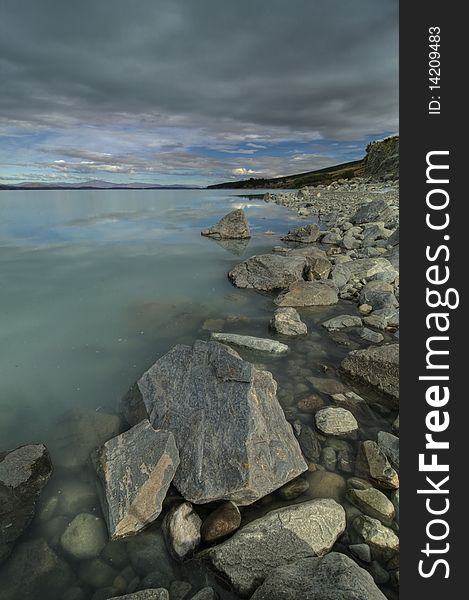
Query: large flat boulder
(233, 226)
(334, 577)
(377, 366)
(282, 536)
(23, 474)
(267, 272)
(135, 470)
(308, 293)
(234, 441)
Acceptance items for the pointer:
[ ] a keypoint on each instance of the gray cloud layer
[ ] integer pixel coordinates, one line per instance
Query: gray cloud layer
(326, 66)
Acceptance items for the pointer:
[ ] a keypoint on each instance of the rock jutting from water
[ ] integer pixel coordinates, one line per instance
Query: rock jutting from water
(307, 234)
(233, 226)
(135, 470)
(251, 342)
(23, 474)
(280, 537)
(287, 321)
(233, 438)
(377, 366)
(267, 272)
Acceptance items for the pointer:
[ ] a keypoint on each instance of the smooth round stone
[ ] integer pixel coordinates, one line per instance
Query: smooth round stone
(336, 422)
(223, 521)
(356, 483)
(76, 497)
(84, 537)
(96, 573)
(310, 404)
(365, 309)
(179, 590)
(293, 489)
(53, 529)
(323, 484)
(361, 551)
(115, 554)
(47, 509)
(74, 593)
(373, 503)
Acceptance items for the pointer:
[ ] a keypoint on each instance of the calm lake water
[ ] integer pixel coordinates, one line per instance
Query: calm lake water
(96, 286)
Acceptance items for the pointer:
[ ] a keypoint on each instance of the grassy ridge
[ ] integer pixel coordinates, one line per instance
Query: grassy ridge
(321, 176)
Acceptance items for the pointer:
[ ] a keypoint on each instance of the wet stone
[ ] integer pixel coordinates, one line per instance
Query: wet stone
(181, 528)
(373, 503)
(222, 522)
(293, 489)
(84, 537)
(336, 422)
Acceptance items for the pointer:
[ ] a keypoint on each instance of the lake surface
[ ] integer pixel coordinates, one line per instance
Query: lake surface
(96, 286)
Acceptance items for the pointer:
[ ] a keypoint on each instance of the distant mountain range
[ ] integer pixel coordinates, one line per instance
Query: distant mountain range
(93, 184)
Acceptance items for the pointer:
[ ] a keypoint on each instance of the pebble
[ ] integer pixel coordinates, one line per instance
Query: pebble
(84, 537)
(336, 422)
(293, 489)
(220, 523)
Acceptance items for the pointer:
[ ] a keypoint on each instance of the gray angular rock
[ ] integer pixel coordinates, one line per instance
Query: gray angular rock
(84, 537)
(308, 293)
(378, 294)
(337, 422)
(373, 464)
(334, 577)
(34, 571)
(371, 336)
(268, 272)
(376, 210)
(233, 438)
(23, 474)
(340, 275)
(251, 342)
(365, 268)
(383, 542)
(287, 321)
(307, 234)
(135, 470)
(181, 528)
(377, 366)
(282, 536)
(233, 226)
(342, 321)
(389, 444)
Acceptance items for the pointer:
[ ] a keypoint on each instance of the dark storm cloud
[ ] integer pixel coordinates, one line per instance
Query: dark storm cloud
(302, 66)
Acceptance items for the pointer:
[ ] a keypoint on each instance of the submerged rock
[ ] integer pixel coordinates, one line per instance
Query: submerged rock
(135, 470)
(377, 366)
(232, 226)
(221, 523)
(268, 272)
(253, 343)
(280, 537)
(287, 321)
(23, 474)
(342, 321)
(233, 438)
(181, 528)
(307, 234)
(84, 537)
(334, 577)
(308, 293)
(34, 571)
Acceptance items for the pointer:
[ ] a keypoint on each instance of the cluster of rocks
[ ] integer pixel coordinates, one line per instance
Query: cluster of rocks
(211, 470)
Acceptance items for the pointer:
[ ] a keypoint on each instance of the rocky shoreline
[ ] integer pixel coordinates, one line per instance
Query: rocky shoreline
(272, 489)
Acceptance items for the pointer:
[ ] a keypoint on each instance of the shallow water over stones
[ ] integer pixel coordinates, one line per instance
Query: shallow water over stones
(101, 284)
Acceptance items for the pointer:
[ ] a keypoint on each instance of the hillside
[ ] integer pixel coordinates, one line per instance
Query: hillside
(381, 161)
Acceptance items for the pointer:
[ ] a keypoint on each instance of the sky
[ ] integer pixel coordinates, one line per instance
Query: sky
(192, 91)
